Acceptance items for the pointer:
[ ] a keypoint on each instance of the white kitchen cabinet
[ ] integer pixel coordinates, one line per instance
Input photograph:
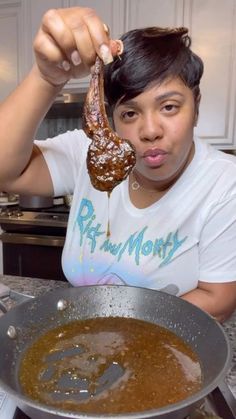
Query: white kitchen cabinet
(11, 46)
(19, 21)
(212, 25)
(141, 13)
(110, 11)
(34, 11)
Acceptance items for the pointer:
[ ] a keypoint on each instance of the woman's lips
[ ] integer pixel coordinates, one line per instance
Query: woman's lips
(155, 158)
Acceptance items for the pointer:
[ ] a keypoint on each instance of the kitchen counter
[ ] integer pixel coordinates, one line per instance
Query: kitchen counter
(32, 286)
(36, 287)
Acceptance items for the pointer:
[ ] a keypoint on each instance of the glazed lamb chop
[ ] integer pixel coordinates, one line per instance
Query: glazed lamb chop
(110, 158)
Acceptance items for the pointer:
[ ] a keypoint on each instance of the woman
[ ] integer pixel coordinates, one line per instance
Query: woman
(173, 220)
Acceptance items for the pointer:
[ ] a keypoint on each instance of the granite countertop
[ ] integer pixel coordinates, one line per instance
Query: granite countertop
(36, 287)
(32, 286)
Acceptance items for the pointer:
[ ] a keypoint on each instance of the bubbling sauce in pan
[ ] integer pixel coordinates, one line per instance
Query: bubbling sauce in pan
(109, 365)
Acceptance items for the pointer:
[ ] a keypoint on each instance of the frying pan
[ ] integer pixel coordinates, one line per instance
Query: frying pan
(24, 323)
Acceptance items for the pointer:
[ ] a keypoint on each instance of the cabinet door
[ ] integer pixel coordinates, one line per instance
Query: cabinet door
(141, 13)
(11, 46)
(32, 261)
(212, 25)
(34, 11)
(110, 11)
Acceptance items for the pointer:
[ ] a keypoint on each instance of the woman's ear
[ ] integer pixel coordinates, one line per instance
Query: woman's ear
(197, 103)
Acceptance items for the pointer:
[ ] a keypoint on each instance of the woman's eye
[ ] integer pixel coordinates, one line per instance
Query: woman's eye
(127, 115)
(170, 108)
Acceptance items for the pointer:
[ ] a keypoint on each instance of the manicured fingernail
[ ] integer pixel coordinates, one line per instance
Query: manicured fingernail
(106, 54)
(106, 29)
(75, 57)
(66, 65)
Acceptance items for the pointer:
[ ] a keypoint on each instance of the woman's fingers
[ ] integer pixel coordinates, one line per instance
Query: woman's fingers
(81, 34)
(47, 49)
(99, 35)
(70, 39)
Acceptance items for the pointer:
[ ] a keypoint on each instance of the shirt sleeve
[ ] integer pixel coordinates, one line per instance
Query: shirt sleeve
(218, 244)
(64, 155)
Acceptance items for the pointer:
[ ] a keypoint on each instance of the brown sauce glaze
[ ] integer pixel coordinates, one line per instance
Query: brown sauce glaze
(110, 158)
(108, 221)
(108, 366)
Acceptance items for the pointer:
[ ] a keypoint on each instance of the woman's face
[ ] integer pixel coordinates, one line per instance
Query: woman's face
(159, 123)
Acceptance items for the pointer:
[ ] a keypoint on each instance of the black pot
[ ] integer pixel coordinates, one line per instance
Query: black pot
(35, 201)
(32, 318)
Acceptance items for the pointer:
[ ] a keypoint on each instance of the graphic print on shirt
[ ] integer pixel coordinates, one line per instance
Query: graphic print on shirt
(132, 250)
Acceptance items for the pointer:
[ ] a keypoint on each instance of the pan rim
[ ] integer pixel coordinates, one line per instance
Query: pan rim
(171, 408)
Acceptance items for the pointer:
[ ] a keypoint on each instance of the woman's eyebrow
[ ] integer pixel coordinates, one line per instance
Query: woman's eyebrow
(167, 95)
(130, 102)
(163, 96)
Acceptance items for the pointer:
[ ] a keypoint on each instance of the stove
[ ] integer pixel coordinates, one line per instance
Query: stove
(56, 216)
(32, 241)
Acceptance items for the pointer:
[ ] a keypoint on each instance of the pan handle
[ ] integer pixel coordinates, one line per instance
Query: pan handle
(6, 293)
(3, 307)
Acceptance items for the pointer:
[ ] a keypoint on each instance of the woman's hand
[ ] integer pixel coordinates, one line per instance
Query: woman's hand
(67, 43)
(66, 46)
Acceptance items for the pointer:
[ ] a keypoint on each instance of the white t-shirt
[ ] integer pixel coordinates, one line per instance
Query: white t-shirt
(187, 236)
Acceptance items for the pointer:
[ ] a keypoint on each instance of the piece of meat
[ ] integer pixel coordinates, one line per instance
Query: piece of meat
(110, 158)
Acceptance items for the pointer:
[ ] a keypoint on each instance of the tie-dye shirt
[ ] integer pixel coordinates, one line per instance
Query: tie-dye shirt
(188, 235)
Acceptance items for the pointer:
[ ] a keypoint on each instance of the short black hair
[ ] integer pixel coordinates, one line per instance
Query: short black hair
(150, 55)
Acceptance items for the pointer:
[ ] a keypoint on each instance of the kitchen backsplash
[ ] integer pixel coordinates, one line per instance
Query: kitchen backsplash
(55, 126)
(64, 115)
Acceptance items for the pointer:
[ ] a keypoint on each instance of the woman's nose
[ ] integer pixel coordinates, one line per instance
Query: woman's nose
(151, 128)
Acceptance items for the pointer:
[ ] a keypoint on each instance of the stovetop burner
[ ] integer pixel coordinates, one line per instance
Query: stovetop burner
(17, 211)
(52, 217)
(56, 216)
